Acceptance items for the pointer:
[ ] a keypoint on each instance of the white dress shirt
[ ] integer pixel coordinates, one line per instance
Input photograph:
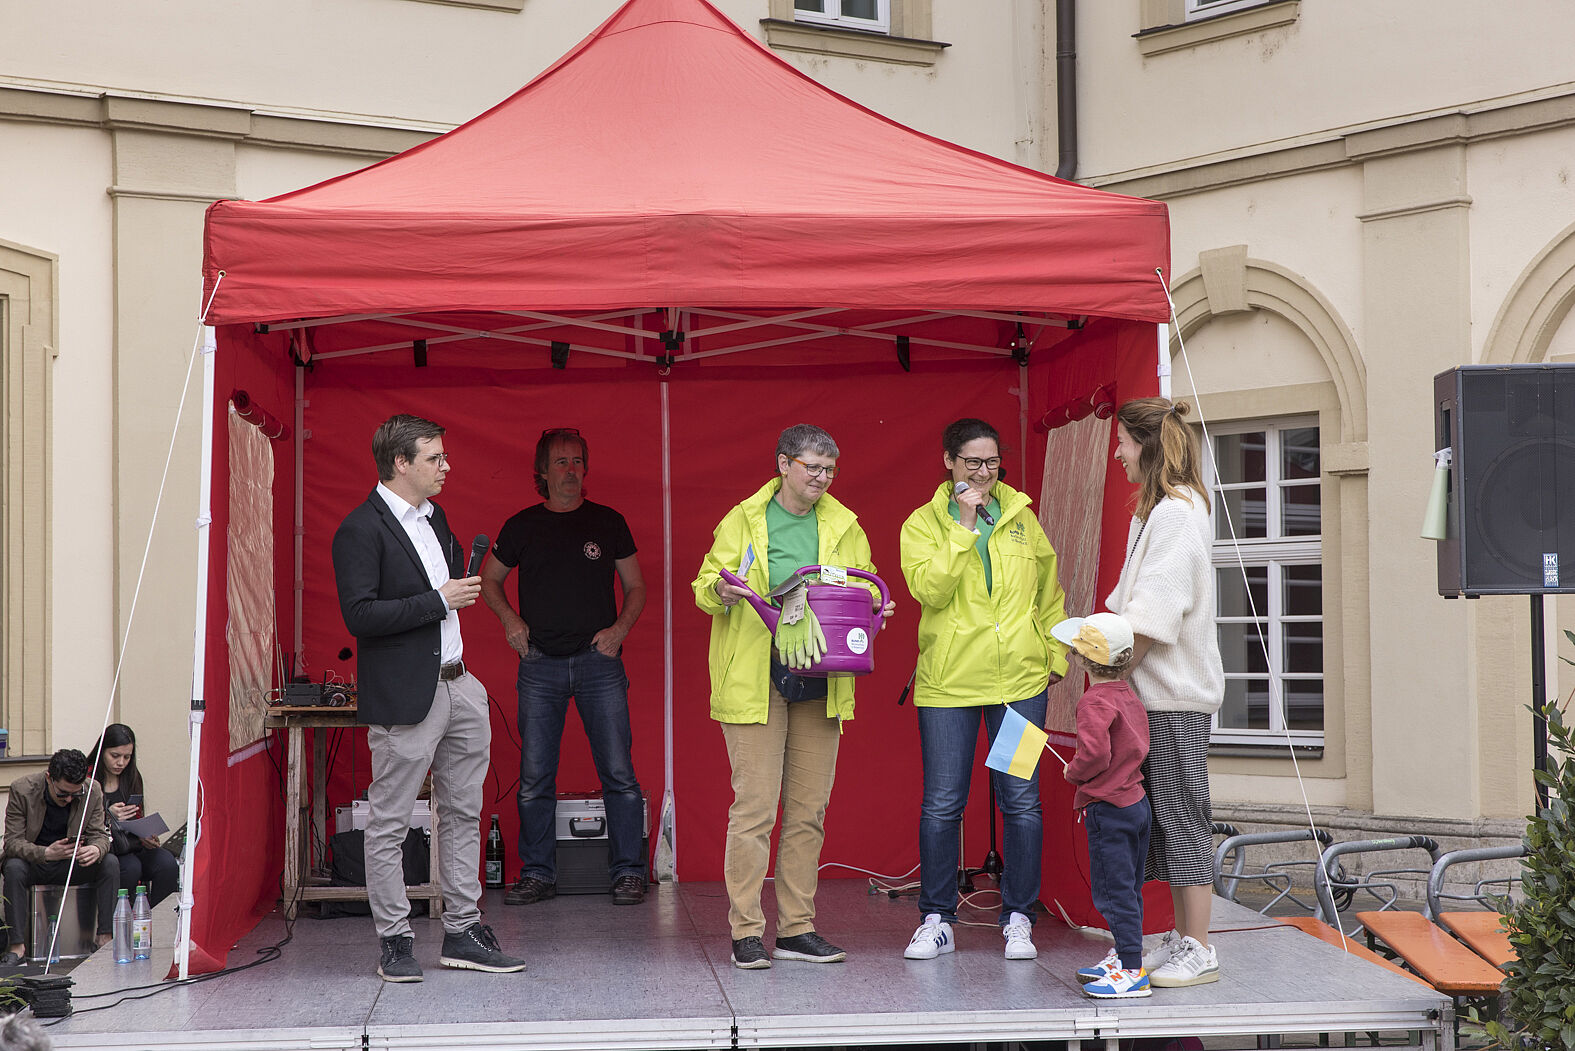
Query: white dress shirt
(417, 522)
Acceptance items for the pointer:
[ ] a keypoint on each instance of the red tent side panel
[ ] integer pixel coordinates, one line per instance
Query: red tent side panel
(239, 855)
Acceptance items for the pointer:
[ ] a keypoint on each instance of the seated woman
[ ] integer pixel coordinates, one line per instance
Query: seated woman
(142, 860)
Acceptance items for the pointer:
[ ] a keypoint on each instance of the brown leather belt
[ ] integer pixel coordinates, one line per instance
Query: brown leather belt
(449, 672)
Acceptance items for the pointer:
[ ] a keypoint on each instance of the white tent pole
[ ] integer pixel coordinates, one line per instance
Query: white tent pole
(667, 826)
(199, 663)
(1164, 361)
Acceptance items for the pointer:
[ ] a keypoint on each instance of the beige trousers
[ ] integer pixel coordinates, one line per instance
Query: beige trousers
(792, 757)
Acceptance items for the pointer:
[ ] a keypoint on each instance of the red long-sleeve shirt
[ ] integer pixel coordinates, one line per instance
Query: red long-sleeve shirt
(1112, 742)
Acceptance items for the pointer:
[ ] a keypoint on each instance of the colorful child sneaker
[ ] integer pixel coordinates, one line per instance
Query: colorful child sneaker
(1192, 964)
(1120, 985)
(1102, 969)
(931, 939)
(1019, 934)
(1154, 959)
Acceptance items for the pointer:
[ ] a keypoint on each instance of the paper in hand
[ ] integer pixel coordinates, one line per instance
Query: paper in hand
(145, 827)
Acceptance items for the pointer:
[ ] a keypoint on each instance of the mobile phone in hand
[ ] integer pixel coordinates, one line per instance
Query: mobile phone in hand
(135, 801)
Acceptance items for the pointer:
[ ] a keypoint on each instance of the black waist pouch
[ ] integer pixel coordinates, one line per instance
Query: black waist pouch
(794, 687)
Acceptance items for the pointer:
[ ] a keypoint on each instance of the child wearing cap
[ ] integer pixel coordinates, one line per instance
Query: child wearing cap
(1112, 743)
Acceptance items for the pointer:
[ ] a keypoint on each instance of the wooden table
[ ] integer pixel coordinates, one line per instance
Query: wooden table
(300, 882)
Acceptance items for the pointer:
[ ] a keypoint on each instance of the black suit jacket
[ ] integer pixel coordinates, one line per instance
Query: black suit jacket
(393, 610)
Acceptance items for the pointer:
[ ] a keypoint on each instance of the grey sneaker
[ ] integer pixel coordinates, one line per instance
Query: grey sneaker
(398, 960)
(476, 949)
(1192, 964)
(809, 947)
(1154, 959)
(528, 890)
(749, 954)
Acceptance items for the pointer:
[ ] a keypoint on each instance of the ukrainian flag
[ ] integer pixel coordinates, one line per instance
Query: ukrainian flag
(1018, 746)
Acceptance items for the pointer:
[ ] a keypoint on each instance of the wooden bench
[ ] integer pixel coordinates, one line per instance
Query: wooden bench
(1447, 965)
(1325, 933)
(1484, 932)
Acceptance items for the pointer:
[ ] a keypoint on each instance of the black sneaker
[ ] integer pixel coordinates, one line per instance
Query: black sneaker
(528, 890)
(810, 947)
(398, 963)
(476, 949)
(749, 954)
(628, 889)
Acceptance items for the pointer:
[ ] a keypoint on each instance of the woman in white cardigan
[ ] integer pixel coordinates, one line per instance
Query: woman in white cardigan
(1166, 592)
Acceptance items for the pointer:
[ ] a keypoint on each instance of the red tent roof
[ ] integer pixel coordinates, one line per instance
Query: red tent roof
(670, 160)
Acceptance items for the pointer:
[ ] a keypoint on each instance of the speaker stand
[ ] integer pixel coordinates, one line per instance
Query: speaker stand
(1539, 697)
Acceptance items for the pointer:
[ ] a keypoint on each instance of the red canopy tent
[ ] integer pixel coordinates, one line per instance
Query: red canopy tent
(680, 244)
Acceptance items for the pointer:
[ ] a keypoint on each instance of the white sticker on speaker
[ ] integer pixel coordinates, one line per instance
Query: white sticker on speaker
(1550, 569)
(858, 640)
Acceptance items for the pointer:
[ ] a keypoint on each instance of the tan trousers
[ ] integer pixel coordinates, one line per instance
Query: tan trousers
(791, 757)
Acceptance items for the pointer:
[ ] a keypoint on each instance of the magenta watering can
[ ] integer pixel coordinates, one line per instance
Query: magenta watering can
(845, 616)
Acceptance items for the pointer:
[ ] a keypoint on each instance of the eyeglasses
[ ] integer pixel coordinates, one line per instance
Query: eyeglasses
(815, 470)
(437, 458)
(65, 789)
(553, 432)
(973, 463)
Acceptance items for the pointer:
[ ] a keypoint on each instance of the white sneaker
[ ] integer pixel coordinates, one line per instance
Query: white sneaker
(1192, 964)
(1154, 959)
(1019, 934)
(931, 939)
(1102, 969)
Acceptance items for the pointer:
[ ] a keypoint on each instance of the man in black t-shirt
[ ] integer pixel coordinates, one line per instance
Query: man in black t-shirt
(569, 634)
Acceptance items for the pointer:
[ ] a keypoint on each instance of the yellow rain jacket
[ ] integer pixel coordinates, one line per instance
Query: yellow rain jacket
(740, 641)
(977, 645)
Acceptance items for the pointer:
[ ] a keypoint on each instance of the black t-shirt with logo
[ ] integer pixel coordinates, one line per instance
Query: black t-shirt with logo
(566, 569)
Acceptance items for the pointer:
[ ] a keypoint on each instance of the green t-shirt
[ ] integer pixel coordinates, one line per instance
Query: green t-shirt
(793, 541)
(985, 529)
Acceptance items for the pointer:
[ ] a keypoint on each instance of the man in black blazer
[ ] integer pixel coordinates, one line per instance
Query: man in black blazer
(401, 578)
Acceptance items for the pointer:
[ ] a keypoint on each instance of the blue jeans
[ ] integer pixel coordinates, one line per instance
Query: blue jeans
(946, 738)
(600, 689)
(1117, 849)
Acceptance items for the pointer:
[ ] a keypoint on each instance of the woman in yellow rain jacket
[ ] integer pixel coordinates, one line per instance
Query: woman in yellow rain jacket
(777, 747)
(981, 567)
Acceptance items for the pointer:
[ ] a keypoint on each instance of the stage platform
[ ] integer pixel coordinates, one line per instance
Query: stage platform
(658, 975)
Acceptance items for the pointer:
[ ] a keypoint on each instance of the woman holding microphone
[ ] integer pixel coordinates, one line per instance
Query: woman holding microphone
(1166, 592)
(978, 562)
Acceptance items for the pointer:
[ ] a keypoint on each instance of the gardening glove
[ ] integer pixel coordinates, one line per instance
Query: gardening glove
(809, 644)
(791, 640)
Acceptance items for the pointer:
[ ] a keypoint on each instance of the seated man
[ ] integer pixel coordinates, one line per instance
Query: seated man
(42, 819)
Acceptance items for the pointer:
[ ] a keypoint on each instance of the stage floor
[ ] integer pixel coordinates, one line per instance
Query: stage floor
(659, 975)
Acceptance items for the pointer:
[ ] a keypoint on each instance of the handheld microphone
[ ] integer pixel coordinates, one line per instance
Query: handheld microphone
(961, 488)
(478, 551)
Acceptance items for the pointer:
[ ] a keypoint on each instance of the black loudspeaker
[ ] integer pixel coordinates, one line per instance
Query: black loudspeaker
(1511, 502)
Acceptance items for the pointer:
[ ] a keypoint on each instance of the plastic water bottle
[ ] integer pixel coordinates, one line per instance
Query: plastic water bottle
(141, 926)
(54, 939)
(494, 855)
(122, 928)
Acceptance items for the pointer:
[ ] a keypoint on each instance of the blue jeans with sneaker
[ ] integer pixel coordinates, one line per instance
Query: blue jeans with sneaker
(946, 738)
(1117, 849)
(600, 690)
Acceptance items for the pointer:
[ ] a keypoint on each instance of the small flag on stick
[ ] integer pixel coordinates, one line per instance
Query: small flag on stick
(1018, 745)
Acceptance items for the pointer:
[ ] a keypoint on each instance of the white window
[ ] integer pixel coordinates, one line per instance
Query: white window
(1268, 581)
(872, 15)
(1206, 8)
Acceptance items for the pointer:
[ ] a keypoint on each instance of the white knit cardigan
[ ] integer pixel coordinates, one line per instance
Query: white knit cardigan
(1166, 592)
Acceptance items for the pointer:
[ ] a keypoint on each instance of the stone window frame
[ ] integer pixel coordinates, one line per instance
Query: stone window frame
(907, 41)
(1167, 25)
(29, 323)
